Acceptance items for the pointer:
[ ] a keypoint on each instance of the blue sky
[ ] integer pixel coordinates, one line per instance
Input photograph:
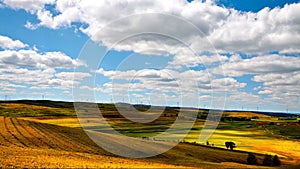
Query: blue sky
(254, 6)
(214, 54)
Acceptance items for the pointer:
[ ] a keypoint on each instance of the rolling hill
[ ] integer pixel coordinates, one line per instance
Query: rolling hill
(26, 142)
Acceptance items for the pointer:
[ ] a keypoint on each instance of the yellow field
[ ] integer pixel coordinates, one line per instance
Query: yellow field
(48, 158)
(51, 137)
(244, 114)
(33, 142)
(254, 141)
(38, 145)
(60, 121)
(251, 141)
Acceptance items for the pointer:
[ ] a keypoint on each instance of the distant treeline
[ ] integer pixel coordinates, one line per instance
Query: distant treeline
(167, 111)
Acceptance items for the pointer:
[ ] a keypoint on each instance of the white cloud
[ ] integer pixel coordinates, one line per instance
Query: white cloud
(8, 43)
(267, 30)
(168, 81)
(72, 75)
(31, 26)
(13, 77)
(274, 79)
(29, 70)
(25, 76)
(32, 58)
(284, 86)
(169, 87)
(265, 92)
(28, 5)
(10, 85)
(98, 89)
(247, 101)
(229, 30)
(259, 65)
(279, 75)
(189, 59)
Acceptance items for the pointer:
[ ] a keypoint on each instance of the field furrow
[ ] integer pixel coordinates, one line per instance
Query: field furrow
(66, 135)
(54, 134)
(11, 134)
(50, 140)
(41, 141)
(81, 140)
(27, 138)
(37, 137)
(3, 140)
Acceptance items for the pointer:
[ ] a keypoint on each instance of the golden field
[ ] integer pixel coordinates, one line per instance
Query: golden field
(54, 141)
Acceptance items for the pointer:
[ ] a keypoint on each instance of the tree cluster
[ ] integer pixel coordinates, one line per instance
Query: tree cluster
(267, 161)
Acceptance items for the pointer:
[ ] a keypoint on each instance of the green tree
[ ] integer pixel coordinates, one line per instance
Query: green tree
(230, 144)
(276, 161)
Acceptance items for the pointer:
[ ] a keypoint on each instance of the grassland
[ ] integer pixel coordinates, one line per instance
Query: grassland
(45, 134)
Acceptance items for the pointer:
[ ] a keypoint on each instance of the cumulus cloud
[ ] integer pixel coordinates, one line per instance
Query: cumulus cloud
(8, 43)
(189, 59)
(169, 81)
(179, 29)
(72, 75)
(229, 30)
(37, 79)
(283, 86)
(28, 5)
(25, 76)
(157, 75)
(28, 70)
(32, 58)
(278, 75)
(10, 87)
(264, 64)
(166, 85)
(274, 79)
(267, 30)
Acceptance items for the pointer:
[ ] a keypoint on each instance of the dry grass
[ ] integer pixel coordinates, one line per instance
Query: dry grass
(247, 140)
(59, 142)
(49, 158)
(254, 141)
(245, 114)
(28, 144)
(33, 143)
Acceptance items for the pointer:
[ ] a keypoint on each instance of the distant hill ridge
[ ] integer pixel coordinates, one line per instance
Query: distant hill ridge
(65, 104)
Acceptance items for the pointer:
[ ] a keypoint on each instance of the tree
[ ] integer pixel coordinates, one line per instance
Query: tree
(230, 144)
(251, 159)
(267, 160)
(276, 161)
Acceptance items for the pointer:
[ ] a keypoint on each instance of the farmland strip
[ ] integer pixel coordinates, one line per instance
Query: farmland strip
(17, 127)
(59, 139)
(67, 139)
(50, 141)
(39, 138)
(3, 140)
(16, 141)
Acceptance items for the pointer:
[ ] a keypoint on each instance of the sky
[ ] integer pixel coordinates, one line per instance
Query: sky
(227, 54)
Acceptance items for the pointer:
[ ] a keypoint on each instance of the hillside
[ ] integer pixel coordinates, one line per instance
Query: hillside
(25, 143)
(47, 134)
(59, 108)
